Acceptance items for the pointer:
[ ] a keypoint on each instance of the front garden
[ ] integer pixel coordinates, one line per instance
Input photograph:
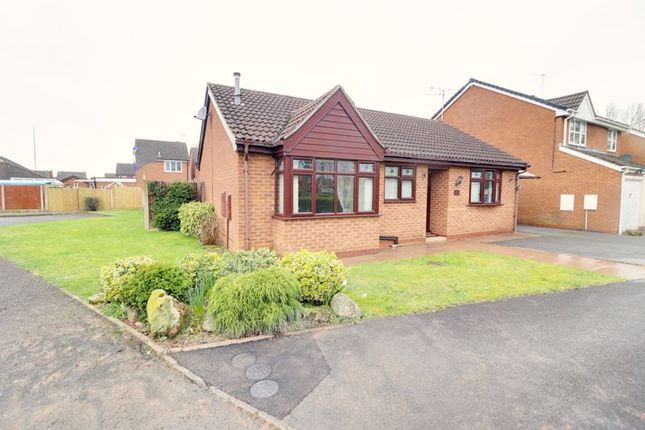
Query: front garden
(169, 285)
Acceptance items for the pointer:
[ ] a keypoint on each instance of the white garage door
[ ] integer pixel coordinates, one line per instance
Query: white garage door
(631, 203)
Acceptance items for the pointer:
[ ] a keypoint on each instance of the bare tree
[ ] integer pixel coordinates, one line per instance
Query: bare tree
(633, 114)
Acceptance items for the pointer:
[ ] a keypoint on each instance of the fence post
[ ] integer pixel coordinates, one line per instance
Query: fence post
(111, 198)
(146, 208)
(42, 197)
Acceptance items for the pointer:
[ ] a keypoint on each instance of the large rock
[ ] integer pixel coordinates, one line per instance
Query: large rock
(345, 307)
(166, 315)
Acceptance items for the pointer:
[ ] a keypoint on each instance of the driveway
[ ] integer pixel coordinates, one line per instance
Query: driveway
(29, 219)
(62, 366)
(624, 249)
(561, 360)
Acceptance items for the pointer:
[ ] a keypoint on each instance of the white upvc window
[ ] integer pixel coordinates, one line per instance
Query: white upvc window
(578, 132)
(612, 140)
(172, 166)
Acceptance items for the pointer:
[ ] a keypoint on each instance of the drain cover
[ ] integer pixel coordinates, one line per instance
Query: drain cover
(243, 360)
(264, 389)
(258, 371)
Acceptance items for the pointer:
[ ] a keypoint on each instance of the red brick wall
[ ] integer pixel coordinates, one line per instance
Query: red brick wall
(634, 145)
(221, 172)
(407, 220)
(261, 199)
(534, 134)
(155, 172)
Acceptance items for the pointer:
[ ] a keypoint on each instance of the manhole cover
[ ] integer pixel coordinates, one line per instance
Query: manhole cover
(258, 371)
(244, 360)
(264, 389)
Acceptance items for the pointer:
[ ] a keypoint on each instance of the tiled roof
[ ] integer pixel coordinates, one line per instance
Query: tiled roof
(148, 151)
(263, 118)
(10, 169)
(622, 160)
(62, 175)
(124, 169)
(571, 101)
(45, 173)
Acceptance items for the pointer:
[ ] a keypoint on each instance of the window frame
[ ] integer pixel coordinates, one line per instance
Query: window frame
(400, 178)
(175, 163)
(612, 144)
(289, 171)
(497, 180)
(581, 133)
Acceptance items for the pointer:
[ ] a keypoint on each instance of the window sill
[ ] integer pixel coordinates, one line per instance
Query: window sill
(322, 216)
(400, 201)
(485, 204)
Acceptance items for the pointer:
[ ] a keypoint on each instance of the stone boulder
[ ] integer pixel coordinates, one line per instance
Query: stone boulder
(166, 315)
(345, 307)
(97, 299)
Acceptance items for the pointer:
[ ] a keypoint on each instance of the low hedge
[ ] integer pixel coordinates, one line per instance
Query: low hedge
(319, 274)
(167, 198)
(168, 277)
(114, 276)
(194, 216)
(264, 301)
(248, 261)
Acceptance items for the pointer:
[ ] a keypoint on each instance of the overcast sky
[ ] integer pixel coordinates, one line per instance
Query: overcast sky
(91, 76)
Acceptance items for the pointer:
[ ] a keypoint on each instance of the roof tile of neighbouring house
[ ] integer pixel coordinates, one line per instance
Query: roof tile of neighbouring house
(263, 118)
(611, 158)
(571, 101)
(124, 169)
(62, 175)
(10, 169)
(45, 173)
(148, 151)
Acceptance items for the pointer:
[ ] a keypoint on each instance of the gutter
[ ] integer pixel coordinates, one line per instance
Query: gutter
(247, 209)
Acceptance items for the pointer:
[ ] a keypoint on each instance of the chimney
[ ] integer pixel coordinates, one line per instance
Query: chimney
(238, 94)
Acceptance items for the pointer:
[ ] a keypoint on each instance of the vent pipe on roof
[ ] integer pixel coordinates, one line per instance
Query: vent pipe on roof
(238, 94)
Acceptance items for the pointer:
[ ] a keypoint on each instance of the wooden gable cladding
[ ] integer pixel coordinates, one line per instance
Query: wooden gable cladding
(335, 130)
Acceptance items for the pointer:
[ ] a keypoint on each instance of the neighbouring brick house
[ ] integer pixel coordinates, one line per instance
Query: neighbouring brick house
(159, 160)
(72, 179)
(579, 175)
(290, 173)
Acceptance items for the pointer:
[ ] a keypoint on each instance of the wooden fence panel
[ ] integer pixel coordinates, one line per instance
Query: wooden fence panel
(73, 199)
(21, 197)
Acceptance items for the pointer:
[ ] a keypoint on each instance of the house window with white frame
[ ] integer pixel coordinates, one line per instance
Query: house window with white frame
(172, 166)
(578, 133)
(612, 140)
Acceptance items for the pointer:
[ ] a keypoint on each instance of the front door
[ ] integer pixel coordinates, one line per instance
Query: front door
(428, 230)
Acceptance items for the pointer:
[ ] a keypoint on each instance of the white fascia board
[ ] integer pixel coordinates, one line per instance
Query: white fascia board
(227, 129)
(558, 112)
(636, 132)
(590, 158)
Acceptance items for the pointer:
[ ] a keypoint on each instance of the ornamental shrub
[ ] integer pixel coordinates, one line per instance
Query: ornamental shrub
(167, 198)
(320, 274)
(194, 216)
(264, 301)
(91, 204)
(114, 276)
(193, 264)
(248, 261)
(167, 277)
(197, 297)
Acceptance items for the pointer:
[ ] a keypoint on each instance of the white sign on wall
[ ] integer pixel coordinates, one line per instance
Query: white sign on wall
(591, 202)
(566, 202)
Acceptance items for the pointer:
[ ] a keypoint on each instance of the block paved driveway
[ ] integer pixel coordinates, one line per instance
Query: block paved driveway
(62, 366)
(572, 359)
(624, 249)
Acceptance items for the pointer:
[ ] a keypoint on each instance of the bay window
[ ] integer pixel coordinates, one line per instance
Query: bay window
(324, 186)
(485, 186)
(399, 183)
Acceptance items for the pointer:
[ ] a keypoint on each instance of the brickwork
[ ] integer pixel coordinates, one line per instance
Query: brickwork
(155, 172)
(533, 133)
(633, 145)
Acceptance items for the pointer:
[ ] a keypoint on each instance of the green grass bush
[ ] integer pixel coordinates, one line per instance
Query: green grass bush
(168, 277)
(192, 264)
(91, 204)
(319, 274)
(264, 301)
(248, 261)
(114, 276)
(197, 297)
(167, 198)
(194, 216)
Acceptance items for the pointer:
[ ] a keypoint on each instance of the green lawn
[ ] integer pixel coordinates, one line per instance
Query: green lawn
(70, 253)
(449, 279)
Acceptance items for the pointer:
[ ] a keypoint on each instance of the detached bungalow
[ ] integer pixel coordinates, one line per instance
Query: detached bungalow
(580, 178)
(290, 173)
